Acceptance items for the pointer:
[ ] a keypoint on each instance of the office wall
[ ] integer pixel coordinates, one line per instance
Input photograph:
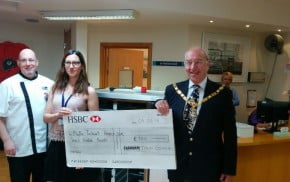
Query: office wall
(280, 83)
(46, 41)
(170, 43)
(261, 60)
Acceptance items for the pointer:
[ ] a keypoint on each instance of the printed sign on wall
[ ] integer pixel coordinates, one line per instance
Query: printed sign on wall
(167, 63)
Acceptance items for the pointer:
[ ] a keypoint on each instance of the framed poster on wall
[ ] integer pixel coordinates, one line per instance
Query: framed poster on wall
(227, 53)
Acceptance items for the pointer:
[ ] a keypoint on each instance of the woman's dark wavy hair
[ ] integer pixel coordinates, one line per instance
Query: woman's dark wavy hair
(62, 77)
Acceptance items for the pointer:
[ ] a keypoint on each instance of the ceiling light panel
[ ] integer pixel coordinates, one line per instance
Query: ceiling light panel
(118, 14)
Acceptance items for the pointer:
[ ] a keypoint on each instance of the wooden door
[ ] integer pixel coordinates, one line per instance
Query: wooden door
(104, 64)
(125, 59)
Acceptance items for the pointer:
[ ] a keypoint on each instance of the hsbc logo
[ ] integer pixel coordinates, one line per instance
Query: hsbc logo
(84, 119)
(95, 119)
(77, 119)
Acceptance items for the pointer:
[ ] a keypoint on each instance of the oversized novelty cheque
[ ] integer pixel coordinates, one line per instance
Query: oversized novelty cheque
(120, 139)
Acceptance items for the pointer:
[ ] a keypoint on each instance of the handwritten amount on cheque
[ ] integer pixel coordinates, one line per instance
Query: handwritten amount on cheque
(119, 141)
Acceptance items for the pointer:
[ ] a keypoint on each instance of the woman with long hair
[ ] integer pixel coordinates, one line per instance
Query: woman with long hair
(70, 93)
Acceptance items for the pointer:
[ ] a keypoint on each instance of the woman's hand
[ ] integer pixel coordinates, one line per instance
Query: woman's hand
(64, 111)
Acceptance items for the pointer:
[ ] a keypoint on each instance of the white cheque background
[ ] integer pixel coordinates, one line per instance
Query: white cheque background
(120, 139)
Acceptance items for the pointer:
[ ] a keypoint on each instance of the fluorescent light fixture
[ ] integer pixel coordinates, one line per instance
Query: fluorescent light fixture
(112, 14)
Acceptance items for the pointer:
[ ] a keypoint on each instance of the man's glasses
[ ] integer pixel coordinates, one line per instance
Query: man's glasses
(195, 63)
(25, 60)
(73, 63)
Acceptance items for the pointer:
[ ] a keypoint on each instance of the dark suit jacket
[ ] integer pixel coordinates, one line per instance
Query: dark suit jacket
(213, 144)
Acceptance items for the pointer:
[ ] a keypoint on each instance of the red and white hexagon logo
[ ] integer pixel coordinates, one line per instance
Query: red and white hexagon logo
(95, 119)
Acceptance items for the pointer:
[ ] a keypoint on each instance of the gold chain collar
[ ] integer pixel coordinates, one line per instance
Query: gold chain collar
(191, 101)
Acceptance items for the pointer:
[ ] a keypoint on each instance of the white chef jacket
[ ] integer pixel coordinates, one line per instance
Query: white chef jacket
(13, 109)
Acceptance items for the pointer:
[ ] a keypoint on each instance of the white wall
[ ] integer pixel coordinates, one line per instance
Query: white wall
(46, 42)
(169, 43)
(261, 60)
(280, 82)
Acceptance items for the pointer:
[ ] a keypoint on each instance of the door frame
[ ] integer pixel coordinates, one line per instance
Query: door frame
(104, 57)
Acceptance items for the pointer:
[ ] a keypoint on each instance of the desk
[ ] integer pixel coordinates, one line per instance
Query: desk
(263, 158)
(127, 99)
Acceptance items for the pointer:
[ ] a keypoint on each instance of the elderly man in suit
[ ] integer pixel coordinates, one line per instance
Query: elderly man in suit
(204, 124)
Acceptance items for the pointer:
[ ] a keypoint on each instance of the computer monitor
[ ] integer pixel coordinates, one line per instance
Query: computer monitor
(272, 111)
